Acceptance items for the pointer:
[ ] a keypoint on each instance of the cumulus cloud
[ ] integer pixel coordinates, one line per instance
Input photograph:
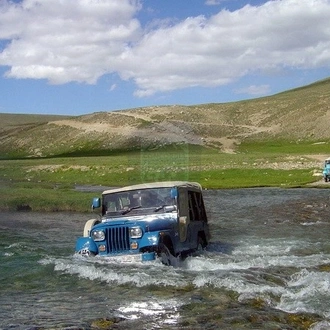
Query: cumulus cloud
(81, 40)
(63, 41)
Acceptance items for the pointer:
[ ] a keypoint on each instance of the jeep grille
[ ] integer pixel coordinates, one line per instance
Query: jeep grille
(117, 239)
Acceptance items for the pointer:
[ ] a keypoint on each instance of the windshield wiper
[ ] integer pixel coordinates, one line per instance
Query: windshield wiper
(158, 208)
(166, 207)
(130, 209)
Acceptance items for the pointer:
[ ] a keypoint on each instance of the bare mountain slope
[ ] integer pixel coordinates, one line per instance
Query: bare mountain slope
(302, 113)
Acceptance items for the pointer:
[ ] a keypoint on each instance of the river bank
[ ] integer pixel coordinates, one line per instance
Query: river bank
(57, 184)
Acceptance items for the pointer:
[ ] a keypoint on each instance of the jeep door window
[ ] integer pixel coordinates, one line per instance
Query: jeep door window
(196, 206)
(193, 210)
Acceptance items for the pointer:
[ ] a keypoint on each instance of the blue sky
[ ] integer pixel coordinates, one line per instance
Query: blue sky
(74, 57)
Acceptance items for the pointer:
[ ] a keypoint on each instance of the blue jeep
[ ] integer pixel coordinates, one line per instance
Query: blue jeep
(146, 221)
(326, 170)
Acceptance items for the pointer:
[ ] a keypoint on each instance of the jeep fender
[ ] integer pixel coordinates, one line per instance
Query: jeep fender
(86, 246)
(89, 225)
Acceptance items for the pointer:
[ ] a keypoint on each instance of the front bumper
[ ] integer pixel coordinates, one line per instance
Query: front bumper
(134, 257)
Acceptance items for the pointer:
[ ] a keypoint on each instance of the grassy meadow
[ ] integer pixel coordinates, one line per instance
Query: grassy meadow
(50, 184)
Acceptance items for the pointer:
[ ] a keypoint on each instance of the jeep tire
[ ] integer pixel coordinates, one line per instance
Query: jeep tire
(200, 244)
(165, 254)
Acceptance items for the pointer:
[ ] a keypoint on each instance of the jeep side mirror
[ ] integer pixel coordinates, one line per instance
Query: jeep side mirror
(96, 203)
(174, 193)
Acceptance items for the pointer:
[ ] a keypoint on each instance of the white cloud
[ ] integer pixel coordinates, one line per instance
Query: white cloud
(214, 2)
(229, 45)
(63, 41)
(113, 87)
(81, 40)
(254, 90)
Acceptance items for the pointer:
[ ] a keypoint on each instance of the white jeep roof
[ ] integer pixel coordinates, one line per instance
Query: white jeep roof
(163, 184)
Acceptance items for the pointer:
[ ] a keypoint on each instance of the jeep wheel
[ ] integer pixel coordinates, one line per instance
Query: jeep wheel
(201, 245)
(165, 254)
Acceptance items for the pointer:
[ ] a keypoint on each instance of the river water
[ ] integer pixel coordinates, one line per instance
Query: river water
(267, 267)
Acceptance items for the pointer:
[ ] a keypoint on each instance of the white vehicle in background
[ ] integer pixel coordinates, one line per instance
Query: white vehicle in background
(326, 170)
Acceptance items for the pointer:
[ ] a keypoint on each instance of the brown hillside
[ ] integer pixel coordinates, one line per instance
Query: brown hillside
(299, 114)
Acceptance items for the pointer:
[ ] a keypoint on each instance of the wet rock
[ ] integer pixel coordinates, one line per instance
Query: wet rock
(324, 268)
(105, 323)
(302, 321)
(23, 207)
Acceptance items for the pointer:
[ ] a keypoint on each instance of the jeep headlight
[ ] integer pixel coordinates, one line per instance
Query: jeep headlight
(98, 235)
(135, 232)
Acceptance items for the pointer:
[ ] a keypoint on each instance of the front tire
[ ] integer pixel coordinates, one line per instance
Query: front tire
(165, 254)
(201, 245)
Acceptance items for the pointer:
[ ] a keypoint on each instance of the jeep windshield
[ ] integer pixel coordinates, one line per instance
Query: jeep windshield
(142, 201)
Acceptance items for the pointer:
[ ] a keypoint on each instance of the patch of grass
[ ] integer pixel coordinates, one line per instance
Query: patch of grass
(144, 123)
(243, 178)
(281, 147)
(13, 120)
(38, 197)
(48, 183)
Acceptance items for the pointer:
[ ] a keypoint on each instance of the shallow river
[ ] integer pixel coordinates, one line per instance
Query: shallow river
(267, 267)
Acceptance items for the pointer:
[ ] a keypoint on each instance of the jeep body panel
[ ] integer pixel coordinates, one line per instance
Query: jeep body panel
(147, 220)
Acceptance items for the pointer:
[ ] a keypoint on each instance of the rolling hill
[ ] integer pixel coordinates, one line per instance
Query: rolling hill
(298, 114)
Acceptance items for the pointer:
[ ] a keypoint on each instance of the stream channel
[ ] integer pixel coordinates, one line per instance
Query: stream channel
(267, 267)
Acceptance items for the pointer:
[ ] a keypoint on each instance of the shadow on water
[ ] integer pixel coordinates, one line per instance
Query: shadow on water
(221, 247)
(214, 248)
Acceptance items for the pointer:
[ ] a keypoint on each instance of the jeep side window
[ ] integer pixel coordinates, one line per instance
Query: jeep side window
(196, 206)
(192, 206)
(200, 206)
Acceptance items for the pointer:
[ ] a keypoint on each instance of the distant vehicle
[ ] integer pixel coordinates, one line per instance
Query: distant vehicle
(143, 222)
(326, 170)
